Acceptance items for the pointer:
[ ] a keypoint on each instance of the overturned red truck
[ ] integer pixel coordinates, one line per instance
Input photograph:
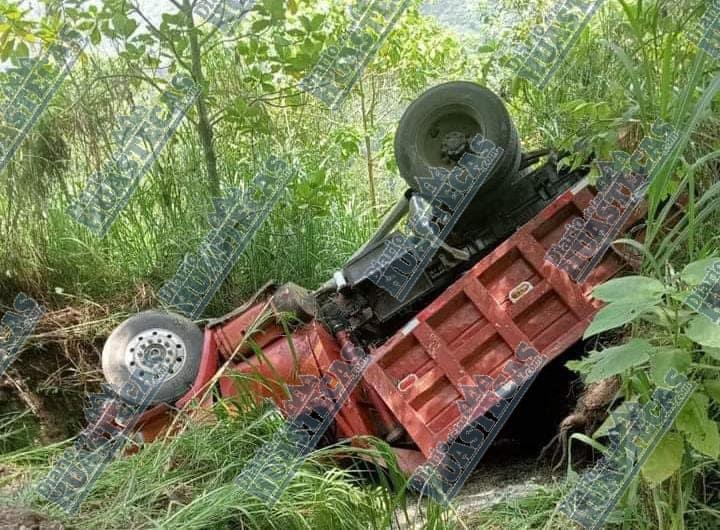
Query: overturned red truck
(487, 289)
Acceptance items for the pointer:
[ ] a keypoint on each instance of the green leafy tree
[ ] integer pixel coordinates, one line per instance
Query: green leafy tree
(183, 42)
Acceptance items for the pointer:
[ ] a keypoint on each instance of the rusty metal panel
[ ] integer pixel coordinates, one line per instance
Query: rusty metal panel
(510, 296)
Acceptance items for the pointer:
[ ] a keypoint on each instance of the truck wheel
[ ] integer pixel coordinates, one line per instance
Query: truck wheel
(437, 127)
(143, 347)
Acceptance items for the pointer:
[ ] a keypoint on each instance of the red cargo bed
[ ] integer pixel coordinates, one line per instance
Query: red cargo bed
(474, 327)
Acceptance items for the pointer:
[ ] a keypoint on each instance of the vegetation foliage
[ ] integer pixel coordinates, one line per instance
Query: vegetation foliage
(635, 63)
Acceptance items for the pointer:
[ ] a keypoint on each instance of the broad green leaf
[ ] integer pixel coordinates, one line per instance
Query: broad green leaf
(317, 22)
(664, 460)
(694, 272)
(617, 314)
(703, 331)
(660, 316)
(662, 359)
(21, 50)
(710, 444)
(713, 390)
(700, 430)
(276, 8)
(260, 25)
(629, 288)
(618, 359)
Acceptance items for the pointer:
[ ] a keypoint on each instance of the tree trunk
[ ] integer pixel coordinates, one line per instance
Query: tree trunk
(204, 126)
(368, 149)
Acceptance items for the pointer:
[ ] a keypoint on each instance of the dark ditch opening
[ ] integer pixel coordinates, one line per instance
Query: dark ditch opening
(535, 421)
(516, 456)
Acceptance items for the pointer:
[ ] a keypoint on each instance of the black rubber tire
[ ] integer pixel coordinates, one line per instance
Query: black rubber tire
(114, 364)
(472, 109)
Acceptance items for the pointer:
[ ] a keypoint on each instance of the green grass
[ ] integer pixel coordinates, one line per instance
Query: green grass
(629, 67)
(186, 482)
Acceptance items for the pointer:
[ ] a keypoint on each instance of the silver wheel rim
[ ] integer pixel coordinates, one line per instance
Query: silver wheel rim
(155, 353)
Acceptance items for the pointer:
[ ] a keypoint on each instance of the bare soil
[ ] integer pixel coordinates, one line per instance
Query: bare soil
(17, 519)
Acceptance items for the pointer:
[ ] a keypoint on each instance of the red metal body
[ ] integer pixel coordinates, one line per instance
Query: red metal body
(475, 326)
(511, 295)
